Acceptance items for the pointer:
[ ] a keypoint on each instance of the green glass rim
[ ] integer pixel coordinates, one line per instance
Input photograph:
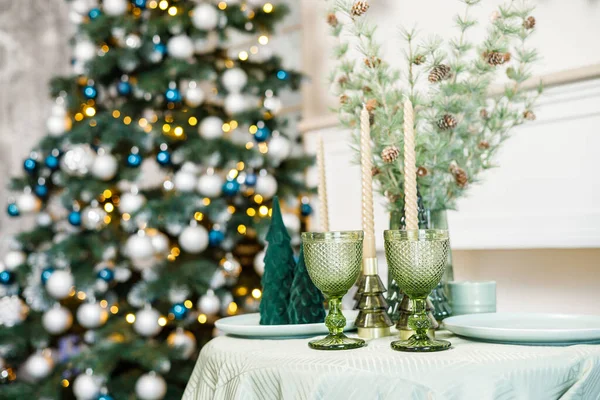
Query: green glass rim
(416, 234)
(335, 235)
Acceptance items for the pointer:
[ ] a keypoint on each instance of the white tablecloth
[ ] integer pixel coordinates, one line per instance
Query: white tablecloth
(245, 369)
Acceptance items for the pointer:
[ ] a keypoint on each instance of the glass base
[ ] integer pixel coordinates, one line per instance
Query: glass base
(336, 342)
(423, 345)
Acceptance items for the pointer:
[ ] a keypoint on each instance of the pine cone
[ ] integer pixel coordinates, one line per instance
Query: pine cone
(344, 99)
(367, 89)
(422, 171)
(332, 20)
(529, 115)
(439, 73)
(507, 57)
(447, 122)
(494, 58)
(529, 23)
(392, 198)
(359, 8)
(371, 105)
(375, 171)
(419, 59)
(484, 145)
(372, 62)
(484, 113)
(460, 176)
(390, 154)
(343, 80)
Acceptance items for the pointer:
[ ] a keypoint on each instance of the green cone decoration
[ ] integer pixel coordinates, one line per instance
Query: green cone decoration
(306, 301)
(279, 272)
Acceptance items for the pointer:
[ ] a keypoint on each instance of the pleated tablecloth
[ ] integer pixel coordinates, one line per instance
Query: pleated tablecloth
(246, 369)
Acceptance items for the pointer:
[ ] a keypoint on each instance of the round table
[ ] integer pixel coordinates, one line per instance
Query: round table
(247, 369)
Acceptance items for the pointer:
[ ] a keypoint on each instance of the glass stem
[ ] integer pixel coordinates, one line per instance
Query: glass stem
(335, 320)
(418, 321)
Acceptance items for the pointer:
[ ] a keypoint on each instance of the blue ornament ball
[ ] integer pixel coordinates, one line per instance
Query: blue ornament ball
(163, 157)
(251, 179)
(124, 88)
(134, 160)
(75, 218)
(106, 274)
(231, 188)
(215, 237)
(12, 210)
(160, 48)
(6, 277)
(139, 3)
(282, 75)
(306, 209)
(41, 190)
(105, 397)
(90, 92)
(262, 134)
(30, 165)
(94, 13)
(46, 272)
(173, 95)
(51, 162)
(179, 311)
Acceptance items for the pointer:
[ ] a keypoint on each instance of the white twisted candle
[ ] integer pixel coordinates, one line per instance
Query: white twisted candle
(366, 164)
(322, 188)
(410, 170)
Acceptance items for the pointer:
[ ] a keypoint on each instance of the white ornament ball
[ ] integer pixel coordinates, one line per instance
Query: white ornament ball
(211, 128)
(280, 148)
(139, 247)
(185, 181)
(59, 284)
(160, 243)
(146, 322)
(210, 185)
(57, 320)
(266, 186)
(91, 315)
(82, 6)
(235, 103)
(28, 202)
(150, 387)
(259, 263)
(291, 222)
(78, 160)
(209, 303)
(206, 44)
(180, 47)
(194, 96)
(92, 218)
(194, 239)
(86, 387)
(273, 104)
(13, 311)
(84, 50)
(105, 167)
(234, 80)
(131, 202)
(39, 366)
(205, 17)
(114, 7)
(43, 219)
(56, 125)
(184, 341)
(13, 259)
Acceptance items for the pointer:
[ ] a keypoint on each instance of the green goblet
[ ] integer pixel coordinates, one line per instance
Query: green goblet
(416, 259)
(333, 261)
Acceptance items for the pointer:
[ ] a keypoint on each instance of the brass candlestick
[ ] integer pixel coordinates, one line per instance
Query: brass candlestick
(372, 320)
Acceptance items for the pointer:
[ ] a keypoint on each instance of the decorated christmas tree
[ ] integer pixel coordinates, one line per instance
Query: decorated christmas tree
(279, 272)
(306, 301)
(152, 188)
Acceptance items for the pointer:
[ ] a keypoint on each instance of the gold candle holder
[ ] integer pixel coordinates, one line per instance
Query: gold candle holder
(372, 321)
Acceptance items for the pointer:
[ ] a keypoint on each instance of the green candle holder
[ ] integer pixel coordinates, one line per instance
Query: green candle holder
(417, 259)
(333, 261)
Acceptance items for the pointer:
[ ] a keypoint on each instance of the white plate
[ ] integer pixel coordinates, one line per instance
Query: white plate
(247, 325)
(527, 327)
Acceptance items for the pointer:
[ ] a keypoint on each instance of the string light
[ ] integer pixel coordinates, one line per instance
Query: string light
(206, 201)
(253, 129)
(163, 5)
(253, 49)
(93, 122)
(258, 199)
(249, 145)
(198, 216)
(263, 40)
(65, 383)
(228, 64)
(108, 207)
(188, 304)
(166, 128)
(232, 174)
(251, 212)
(226, 127)
(263, 211)
(178, 131)
(256, 293)
(202, 318)
(127, 120)
(162, 321)
(116, 114)
(222, 5)
(232, 308)
(175, 251)
(126, 217)
(233, 123)
(172, 11)
(103, 303)
(107, 194)
(242, 291)
(143, 122)
(81, 295)
(114, 309)
(241, 229)
(78, 116)
(130, 318)
(105, 48)
(263, 148)
(192, 121)
(240, 166)
(153, 4)
(90, 111)
(230, 209)
(243, 55)
(268, 7)
(107, 219)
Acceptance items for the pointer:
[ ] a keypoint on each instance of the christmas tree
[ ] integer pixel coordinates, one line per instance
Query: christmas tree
(152, 187)
(279, 272)
(306, 301)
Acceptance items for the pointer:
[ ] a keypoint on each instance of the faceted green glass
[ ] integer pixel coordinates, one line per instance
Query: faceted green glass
(333, 261)
(417, 259)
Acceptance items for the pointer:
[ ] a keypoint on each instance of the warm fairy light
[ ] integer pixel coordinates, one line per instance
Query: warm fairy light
(206, 201)
(154, 118)
(178, 131)
(188, 304)
(253, 49)
(72, 292)
(263, 148)
(78, 116)
(93, 122)
(232, 174)
(166, 128)
(127, 120)
(263, 40)
(90, 111)
(229, 64)
(148, 128)
(198, 216)
(226, 127)
(65, 383)
(233, 123)
(268, 7)
(232, 308)
(241, 291)
(230, 209)
(172, 11)
(81, 295)
(251, 14)
(256, 293)
(202, 318)
(90, 102)
(240, 166)
(258, 199)
(116, 114)
(270, 212)
(162, 321)
(114, 309)
(153, 4)
(251, 212)
(241, 229)
(107, 219)
(171, 257)
(175, 251)
(163, 5)
(243, 55)
(108, 207)
(137, 11)
(103, 303)
(222, 5)
(192, 121)
(243, 7)
(130, 318)
(263, 211)
(107, 194)
(249, 145)
(169, 118)
(143, 122)
(126, 217)
(253, 129)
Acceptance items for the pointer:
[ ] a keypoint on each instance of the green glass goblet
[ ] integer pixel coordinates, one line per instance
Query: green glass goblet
(417, 259)
(333, 261)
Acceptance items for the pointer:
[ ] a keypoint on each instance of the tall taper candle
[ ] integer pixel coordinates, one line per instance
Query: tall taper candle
(410, 170)
(322, 188)
(366, 164)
